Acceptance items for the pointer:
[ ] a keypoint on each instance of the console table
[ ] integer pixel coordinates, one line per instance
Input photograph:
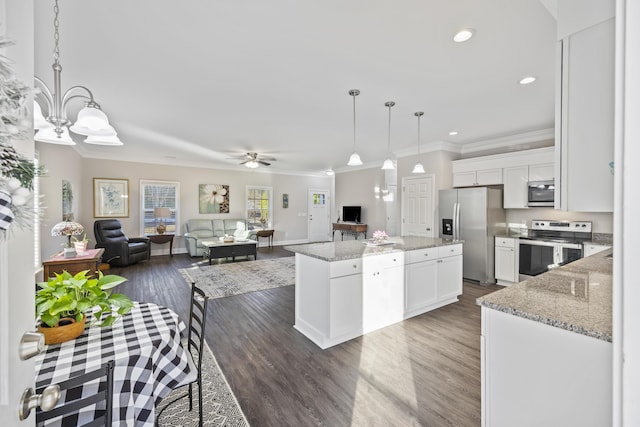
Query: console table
(349, 228)
(89, 260)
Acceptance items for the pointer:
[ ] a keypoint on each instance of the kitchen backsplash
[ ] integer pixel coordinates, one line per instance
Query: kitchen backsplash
(521, 218)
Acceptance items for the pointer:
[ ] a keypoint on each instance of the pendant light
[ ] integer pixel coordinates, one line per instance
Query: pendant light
(388, 164)
(418, 168)
(354, 160)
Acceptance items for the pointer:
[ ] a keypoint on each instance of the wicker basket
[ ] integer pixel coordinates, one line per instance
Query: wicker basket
(59, 334)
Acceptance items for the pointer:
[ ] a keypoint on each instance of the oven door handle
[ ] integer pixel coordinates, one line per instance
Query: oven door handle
(551, 244)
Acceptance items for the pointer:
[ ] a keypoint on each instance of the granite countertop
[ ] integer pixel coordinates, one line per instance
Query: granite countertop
(350, 249)
(576, 297)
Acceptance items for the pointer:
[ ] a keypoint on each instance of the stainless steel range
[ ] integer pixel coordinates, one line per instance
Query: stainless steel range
(551, 244)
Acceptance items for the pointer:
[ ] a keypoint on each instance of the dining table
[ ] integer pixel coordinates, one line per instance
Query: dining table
(149, 357)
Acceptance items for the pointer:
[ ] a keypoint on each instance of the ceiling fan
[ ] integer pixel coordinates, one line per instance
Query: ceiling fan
(253, 160)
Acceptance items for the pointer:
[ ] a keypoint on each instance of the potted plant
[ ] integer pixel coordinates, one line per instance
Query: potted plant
(80, 243)
(63, 301)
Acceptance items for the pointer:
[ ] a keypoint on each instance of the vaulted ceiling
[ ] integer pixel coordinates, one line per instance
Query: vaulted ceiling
(197, 82)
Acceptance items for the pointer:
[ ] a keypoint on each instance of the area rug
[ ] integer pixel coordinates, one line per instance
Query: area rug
(225, 280)
(220, 407)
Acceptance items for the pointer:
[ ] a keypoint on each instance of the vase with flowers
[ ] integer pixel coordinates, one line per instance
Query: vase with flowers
(380, 237)
(68, 229)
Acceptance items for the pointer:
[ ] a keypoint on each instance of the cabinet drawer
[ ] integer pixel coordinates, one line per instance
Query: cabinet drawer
(421, 255)
(345, 267)
(450, 250)
(505, 242)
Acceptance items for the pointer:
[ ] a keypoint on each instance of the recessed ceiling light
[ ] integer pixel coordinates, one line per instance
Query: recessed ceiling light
(526, 80)
(329, 172)
(463, 35)
(453, 133)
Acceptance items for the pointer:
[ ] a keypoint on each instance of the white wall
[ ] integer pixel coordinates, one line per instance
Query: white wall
(63, 162)
(362, 187)
(602, 221)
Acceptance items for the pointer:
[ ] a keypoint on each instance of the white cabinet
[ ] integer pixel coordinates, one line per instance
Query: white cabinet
(515, 187)
(382, 290)
(433, 278)
(480, 177)
(507, 260)
(421, 277)
(533, 374)
(590, 249)
(584, 120)
(450, 277)
(515, 182)
(543, 172)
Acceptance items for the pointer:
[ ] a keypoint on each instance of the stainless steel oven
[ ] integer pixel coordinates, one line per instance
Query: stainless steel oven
(539, 256)
(551, 244)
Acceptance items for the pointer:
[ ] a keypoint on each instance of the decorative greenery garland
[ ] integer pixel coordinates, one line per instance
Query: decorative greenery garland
(16, 173)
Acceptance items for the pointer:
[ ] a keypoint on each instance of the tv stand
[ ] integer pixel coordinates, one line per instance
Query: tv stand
(354, 228)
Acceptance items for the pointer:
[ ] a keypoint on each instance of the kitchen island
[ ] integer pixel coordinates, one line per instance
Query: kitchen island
(347, 289)
(546, 348)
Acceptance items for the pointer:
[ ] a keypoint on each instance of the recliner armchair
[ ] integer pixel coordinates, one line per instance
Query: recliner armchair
(119, 250)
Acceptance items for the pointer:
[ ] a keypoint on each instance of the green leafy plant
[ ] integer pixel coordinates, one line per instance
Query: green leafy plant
(67, 295)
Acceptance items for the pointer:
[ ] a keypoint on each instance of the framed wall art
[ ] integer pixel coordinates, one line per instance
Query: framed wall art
(214, 198)
(285, 200)
(110, 198)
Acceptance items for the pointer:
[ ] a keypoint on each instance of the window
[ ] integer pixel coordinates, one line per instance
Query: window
(159, 194)
(259, 213)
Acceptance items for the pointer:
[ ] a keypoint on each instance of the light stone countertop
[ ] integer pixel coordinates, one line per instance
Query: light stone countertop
(576, 297)
(350, 249)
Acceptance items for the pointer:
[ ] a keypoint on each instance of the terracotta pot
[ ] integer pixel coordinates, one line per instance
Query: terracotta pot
(62, 333)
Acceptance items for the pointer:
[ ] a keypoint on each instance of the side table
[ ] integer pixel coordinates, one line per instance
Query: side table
(161, 239)
(265, 233)
(89, 260)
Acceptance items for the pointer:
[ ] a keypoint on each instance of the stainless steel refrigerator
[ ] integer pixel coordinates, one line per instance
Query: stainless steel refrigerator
(474, 215)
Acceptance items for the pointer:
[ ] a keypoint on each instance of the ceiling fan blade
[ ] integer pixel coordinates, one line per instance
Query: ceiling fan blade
(262, 162)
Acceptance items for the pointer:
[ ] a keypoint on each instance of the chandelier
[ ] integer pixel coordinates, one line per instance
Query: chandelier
(54, 128)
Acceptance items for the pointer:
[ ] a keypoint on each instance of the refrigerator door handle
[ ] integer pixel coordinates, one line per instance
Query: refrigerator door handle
(456, 221)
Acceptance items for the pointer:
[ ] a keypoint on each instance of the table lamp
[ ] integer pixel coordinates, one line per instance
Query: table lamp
(68, 228)
(161, 213)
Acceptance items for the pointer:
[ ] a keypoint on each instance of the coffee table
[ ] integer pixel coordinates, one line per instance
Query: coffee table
(219, 249)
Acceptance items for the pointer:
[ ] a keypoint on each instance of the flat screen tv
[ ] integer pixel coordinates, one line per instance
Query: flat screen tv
(351, 214)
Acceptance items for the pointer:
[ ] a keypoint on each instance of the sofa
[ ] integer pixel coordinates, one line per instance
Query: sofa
(198, 230)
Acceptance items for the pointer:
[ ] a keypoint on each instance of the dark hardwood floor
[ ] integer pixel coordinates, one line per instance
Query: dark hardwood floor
(424, 371)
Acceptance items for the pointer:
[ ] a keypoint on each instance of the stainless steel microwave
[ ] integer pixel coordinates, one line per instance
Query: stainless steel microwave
(540, 193)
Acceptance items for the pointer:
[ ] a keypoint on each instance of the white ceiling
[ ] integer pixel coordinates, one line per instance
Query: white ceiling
(195, 82)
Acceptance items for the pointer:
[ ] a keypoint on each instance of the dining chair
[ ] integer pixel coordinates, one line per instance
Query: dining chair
(78, 398)
(195, 347)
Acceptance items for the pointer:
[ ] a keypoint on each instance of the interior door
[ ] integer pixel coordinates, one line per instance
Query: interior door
(17, 294)
(417, 206)
(318, 217)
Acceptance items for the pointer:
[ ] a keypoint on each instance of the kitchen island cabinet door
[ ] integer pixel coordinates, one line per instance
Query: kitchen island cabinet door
(382, 291)
(449, 278)
(345, 317)
(421, 280)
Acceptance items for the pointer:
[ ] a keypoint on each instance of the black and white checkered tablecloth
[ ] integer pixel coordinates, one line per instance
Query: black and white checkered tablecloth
(149, 361)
